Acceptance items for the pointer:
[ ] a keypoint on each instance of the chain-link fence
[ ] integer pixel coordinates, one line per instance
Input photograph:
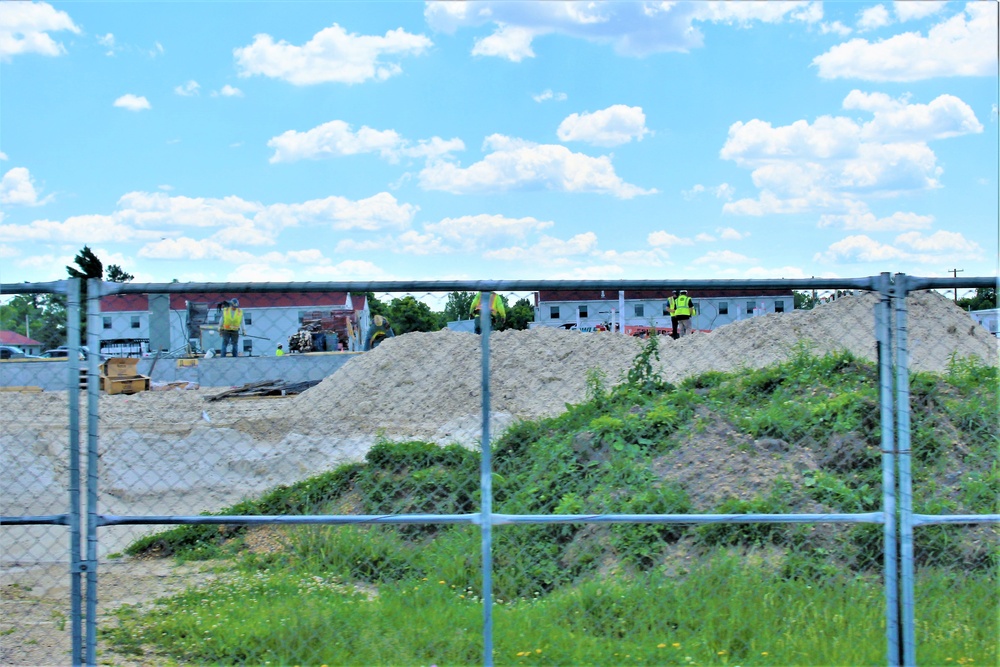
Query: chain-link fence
(810, 476)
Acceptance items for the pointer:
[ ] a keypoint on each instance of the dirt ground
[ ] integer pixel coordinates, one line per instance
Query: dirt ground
(175, 453)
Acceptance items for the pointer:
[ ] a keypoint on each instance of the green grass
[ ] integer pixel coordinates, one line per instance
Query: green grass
(748, 594)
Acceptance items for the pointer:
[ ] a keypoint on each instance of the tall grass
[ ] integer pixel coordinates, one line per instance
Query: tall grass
(621, 594)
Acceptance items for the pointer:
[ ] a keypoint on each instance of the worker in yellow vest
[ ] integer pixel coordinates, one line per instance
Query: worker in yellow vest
(232, 326)
(671, 308)
(683, 312)
(498, 314)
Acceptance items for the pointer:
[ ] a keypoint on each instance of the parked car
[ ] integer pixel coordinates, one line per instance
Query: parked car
(62, 352)
(12, 352)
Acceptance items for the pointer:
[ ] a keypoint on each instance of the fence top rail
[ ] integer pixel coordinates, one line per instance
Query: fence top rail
(872, 283)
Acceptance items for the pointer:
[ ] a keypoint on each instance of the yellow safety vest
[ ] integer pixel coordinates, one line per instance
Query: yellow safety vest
(683, 305)
(232, 319)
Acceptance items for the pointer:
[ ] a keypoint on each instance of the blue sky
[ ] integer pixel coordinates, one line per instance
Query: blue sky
(329, 141)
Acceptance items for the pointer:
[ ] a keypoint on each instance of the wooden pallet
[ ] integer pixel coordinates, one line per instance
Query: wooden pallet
(265, 389)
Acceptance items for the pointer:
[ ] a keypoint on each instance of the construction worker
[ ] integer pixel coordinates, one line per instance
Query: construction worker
(498, 314)
(280, 352)
(683, 312)
(672, 308)
(232, 326)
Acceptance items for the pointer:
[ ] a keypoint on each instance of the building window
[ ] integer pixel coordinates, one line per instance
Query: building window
(302, 316)
(640, 310)
(583, 311)
(750, 306)
(694, 308)
(247, 346)
(247, 318)
(779, 306)
(666, 308)
(554, 312)
(107, 322)
(135, 322)
(723, 308)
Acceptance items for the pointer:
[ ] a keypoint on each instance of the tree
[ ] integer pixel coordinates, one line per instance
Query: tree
(408, 314)
(89, 264)
(375, 307)
(458, 305)
(804, 301)
(986, 297)
(115, 274)
(520, 315)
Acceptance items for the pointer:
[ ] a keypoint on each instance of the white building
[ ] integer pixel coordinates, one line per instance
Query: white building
(987, 318)
(642, 310)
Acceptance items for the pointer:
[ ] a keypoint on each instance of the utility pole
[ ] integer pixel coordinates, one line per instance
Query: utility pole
(954, 274)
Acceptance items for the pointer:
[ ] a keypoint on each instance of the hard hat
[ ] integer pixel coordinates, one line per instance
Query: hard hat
(235, 303)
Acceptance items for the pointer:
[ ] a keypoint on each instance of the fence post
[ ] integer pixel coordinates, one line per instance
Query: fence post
(905, 482)
(486, 481)
(94, 291)
(883, 337)
(75, 552)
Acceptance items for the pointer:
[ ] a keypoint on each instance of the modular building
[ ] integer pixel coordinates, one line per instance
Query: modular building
(643, 310)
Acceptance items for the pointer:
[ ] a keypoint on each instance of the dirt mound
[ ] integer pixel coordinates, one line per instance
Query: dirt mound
(428, 385)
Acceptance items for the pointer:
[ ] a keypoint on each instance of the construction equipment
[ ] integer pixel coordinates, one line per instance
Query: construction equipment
(325, 331)
(378, 332)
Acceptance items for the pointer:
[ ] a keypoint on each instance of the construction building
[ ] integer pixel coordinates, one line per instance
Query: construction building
(643, 310)
(134, 325)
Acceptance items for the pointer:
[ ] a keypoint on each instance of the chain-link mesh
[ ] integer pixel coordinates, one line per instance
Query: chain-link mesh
(714, 495)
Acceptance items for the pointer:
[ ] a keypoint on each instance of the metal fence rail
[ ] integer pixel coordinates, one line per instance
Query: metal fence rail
(111, 466)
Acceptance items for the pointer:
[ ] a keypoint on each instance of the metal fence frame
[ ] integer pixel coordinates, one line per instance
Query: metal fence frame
(897, 516)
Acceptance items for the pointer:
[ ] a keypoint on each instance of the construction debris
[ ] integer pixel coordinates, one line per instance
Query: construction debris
(266, 388)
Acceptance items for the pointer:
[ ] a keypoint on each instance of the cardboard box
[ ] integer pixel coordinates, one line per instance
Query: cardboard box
(119, 376)
(120, 367)
(124, 385)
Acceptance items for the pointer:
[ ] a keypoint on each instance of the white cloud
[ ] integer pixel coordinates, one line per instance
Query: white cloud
(730, 234)
(77, 229)
(336, 139)
(631, 28)
(939, 242)
(873, 18)
(185, 248)
(616, 125)
(717, 257)
(917, 248)
(515, 164)
(835, 28)
(3, 156)
(18, 188)
(378, 212)
(108, 42)
(471, 231)
(24, 28)
(666, 240)
(510, 42)
(332, 56)
(908, 10)
(547, 94)
(188, 89)
(132, 102)
(836, 161)
(219, 223)
(964, 45)
(867, 221)
(548, 249)
(228, 91)
(897, 120)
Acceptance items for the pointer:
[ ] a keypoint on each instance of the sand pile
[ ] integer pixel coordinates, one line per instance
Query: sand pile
(428, 385)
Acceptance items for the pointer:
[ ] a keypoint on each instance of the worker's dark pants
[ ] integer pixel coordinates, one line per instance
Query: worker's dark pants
(230, 338)
(673, 328)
